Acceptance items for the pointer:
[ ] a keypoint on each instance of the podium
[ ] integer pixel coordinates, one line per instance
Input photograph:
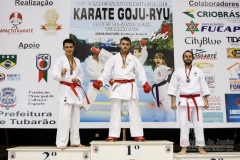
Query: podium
(49, 153)
(131, 150)
(209, 156)
(120, 150)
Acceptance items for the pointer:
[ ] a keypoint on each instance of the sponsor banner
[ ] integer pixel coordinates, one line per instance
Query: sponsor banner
(232, 107)
(34, 30)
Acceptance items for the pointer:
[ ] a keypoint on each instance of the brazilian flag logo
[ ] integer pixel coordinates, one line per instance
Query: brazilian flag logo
(8, 61)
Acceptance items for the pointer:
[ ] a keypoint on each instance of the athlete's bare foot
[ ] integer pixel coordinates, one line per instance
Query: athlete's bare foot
(61, 147)
(201, 150)
(183, 150)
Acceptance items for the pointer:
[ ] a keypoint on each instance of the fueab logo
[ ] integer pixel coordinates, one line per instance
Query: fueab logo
(8, 61)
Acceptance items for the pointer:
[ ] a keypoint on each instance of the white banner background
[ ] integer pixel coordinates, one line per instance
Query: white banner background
(36, 101)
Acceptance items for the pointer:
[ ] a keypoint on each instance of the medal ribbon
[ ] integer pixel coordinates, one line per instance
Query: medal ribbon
(187, 75)
(124, 61)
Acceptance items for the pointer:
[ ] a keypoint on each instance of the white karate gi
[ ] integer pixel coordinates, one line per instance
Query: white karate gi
(94, 69)
(164, 111)
(197, 85)
(69, 103)
(124, 91)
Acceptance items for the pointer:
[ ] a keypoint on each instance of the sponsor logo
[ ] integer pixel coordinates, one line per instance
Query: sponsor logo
(237, 102)
(192, 27)
(2, 77)
(202, 41)
(201, 54)
(33, 3)
(51, 17)
(203, 65)
(13, 77)
(210, 79)
(29, 45)
(233, 52)
(8, 97)
(218, 27)
(16, 19)
(232, 107)
(189, 13)
(8, 61)
(9, 77)
(214, 102)
(234, 41)
(43, 63)
(234, 79)
(218, 14)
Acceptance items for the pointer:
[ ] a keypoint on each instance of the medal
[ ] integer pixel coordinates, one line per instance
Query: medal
(187, 75)
(124, 61)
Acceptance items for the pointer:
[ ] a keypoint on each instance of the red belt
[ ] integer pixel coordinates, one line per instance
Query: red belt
(194, 101)
(73, 85)
(123, 81)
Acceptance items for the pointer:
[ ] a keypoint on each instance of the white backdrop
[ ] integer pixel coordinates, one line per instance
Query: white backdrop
(31, 39)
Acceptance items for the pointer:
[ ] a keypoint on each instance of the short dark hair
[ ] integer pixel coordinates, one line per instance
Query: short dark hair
(68, 41)
(186, 52)
(126, 39)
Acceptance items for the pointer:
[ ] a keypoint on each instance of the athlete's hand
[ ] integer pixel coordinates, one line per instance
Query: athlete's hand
(174, 106)
(63, 71)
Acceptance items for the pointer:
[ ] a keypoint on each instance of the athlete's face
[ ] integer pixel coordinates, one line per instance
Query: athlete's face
(68, 48)
(125, 46)
(187, 58)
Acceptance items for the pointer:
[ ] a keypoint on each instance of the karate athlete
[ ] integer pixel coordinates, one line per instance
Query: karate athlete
(193, 98)
(159, 88)
(68, 72)
(122, 69)
(95, 67)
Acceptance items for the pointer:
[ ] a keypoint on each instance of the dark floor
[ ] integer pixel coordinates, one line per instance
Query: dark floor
(217, 140)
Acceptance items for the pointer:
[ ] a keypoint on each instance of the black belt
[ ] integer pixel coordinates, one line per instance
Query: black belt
(157, 94)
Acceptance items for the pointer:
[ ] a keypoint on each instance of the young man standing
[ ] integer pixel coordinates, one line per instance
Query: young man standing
(194, 91)
(68, 72)
(122, 69)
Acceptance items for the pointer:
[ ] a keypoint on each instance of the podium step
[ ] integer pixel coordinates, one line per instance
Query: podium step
(49, 153)
(131, 150)
(208, 156)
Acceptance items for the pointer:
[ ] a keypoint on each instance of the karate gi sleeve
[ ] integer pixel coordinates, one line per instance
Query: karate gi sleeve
(106, 75)
(56, 72)
(173, 85)
(80, 73)
(141, 72)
